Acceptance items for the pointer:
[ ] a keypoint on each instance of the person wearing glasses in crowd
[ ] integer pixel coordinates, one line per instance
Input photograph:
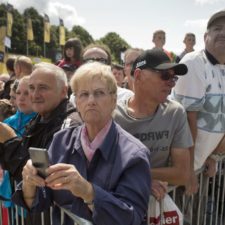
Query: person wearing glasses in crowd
(129, 57)
(101, 53)
(98, 171)
(97, 53)
(161, 124)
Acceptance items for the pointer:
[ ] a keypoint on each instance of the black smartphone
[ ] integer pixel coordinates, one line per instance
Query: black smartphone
(40, 160)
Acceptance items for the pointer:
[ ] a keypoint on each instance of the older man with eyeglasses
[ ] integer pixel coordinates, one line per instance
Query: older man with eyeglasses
(161, 124)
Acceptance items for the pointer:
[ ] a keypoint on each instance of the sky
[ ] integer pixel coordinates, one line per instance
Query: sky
(134, 20)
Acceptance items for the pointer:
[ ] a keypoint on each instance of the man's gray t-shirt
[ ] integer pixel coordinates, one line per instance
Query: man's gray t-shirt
(167, 128)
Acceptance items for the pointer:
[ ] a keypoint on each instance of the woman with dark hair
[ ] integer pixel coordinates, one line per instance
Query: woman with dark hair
(71, 54)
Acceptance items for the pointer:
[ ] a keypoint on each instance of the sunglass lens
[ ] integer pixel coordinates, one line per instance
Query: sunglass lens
(165, 75)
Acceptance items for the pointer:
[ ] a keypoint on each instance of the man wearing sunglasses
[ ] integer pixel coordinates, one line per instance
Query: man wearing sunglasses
(161, 124)
(100, 53)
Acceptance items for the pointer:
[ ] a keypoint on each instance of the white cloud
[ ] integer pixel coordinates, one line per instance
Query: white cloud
(20, 5)
(200, 23)
(53, 9)
(203, 2)
(66, 12)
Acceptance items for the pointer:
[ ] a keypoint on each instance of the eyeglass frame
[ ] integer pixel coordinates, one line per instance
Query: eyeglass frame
(101, 60)
(97, 94)
(165, 75)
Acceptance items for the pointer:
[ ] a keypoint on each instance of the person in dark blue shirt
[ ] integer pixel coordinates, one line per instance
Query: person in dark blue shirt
(98, 171)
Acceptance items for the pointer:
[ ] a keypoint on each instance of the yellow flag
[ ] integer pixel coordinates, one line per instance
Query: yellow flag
(47, 28)
(9, 16)
(61, 33)
(30, 34)
(2, 38)
(9, 24)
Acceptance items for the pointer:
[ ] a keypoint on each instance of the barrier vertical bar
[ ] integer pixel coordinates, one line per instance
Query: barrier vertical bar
(218, 192)
(1, 213)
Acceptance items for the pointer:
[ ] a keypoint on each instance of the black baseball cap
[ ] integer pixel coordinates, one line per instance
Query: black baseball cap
(215, 16)
(157, 59)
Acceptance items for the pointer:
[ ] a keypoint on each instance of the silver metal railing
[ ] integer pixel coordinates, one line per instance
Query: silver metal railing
(207, 207)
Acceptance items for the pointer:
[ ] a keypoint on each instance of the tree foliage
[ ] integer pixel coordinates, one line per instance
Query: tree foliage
(116, 44)
(82, 34)
(18, 39)
(36, 47)
(2, 15)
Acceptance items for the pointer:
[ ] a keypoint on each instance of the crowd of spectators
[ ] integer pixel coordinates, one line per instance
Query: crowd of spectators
(114, 133)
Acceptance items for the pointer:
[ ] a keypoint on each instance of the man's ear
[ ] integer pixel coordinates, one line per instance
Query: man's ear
(137, 74)
(77, 105)
(65, 91)
(18, 67)
(205, 35)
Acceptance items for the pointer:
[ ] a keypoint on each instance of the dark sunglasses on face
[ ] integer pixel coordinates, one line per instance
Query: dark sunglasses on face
(101, 60)
(166, 75)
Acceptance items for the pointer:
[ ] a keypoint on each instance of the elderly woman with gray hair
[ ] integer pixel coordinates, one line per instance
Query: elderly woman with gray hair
(97, 171)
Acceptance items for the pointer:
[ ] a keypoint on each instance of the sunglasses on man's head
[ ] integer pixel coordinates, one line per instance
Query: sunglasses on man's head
(101, 60)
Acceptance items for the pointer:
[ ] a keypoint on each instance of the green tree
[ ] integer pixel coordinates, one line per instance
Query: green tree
(3, 15)
(17, 39)
(82, 34)
(36, 47)
(53, 46)
(116, 44)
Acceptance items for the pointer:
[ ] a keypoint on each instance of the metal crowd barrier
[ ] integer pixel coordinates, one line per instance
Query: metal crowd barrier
(207, 206)
(15, 216)
(203, 208)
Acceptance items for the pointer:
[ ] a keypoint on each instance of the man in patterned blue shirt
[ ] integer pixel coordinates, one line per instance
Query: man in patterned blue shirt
(201, 92)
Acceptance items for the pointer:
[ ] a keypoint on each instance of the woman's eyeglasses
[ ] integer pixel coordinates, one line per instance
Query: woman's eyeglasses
(97, 94)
